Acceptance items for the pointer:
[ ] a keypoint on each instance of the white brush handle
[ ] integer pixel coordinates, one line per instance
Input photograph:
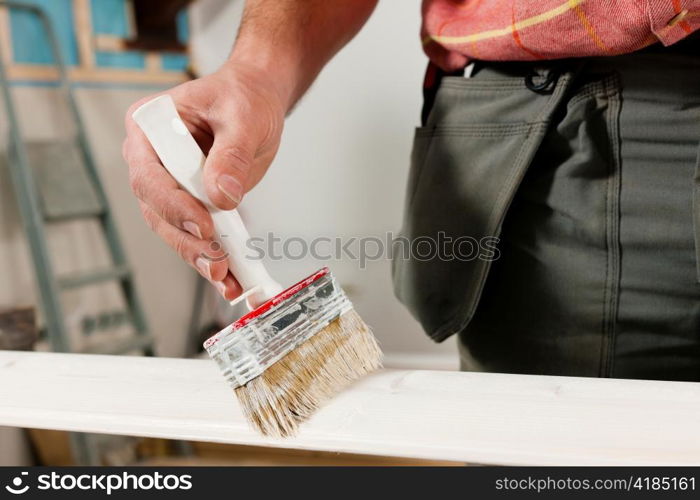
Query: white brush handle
(182, 157)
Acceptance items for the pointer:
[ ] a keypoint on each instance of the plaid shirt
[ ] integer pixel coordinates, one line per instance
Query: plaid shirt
(455, 31)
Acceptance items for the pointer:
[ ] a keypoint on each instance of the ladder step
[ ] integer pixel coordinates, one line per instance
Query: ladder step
(64, 187)
(78, 214)
(120, 346)
(90, 277)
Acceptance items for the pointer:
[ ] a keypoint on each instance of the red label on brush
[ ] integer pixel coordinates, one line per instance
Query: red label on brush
(280, 297)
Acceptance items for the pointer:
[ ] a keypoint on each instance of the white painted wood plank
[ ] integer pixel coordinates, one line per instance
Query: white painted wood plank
(471, 417)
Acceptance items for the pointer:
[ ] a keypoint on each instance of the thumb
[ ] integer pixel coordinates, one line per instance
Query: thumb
(227, 167)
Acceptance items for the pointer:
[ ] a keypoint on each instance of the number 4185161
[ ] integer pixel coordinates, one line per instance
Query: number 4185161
(664, 483)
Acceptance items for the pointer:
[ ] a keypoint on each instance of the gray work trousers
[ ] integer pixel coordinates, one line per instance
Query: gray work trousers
(577, 185)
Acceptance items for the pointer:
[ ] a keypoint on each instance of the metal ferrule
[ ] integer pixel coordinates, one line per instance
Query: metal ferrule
(245, 352)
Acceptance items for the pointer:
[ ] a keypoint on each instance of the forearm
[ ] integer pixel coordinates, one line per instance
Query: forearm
(291, 40)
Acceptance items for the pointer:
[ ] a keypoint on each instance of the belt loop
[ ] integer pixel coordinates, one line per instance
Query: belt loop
(431, 82)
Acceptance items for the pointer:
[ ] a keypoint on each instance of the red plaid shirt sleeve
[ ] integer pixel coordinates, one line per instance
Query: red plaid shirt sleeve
(455, 31)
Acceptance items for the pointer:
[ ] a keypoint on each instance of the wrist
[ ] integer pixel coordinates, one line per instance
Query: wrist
(284, 74)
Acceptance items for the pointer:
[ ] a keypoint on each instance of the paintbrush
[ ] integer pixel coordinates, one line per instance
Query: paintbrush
(297, 347)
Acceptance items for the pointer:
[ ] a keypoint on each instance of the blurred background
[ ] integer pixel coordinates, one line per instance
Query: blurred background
(80, 270)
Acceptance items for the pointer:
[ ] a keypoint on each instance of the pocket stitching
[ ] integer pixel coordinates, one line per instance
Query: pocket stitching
(476, 130)
(503, 85)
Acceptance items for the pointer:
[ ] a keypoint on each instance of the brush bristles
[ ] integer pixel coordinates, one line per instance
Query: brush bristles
(291, 390)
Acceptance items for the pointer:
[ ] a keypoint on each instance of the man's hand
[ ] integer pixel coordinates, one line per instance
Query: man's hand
(236, 117)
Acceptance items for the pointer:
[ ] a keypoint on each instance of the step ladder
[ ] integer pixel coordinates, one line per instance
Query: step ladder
(39, 171)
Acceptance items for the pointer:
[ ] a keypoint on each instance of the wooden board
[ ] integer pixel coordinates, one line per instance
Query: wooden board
(470, 417)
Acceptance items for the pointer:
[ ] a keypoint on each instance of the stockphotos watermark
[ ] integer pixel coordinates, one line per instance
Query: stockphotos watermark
(96, 482)
(364, 249)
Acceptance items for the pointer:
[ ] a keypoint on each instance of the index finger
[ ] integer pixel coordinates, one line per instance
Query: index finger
(154, 185)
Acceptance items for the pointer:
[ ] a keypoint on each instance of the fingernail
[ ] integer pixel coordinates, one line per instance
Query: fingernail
(231, 188)
(192, 228)
(204, 266)
(221, 288)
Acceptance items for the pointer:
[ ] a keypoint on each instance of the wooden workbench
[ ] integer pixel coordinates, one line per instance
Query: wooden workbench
(469, 417)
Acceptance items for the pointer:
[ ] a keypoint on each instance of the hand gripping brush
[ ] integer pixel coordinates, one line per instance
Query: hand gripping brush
(296, 347)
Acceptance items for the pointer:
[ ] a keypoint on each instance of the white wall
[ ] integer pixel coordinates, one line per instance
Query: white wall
(342, 166)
